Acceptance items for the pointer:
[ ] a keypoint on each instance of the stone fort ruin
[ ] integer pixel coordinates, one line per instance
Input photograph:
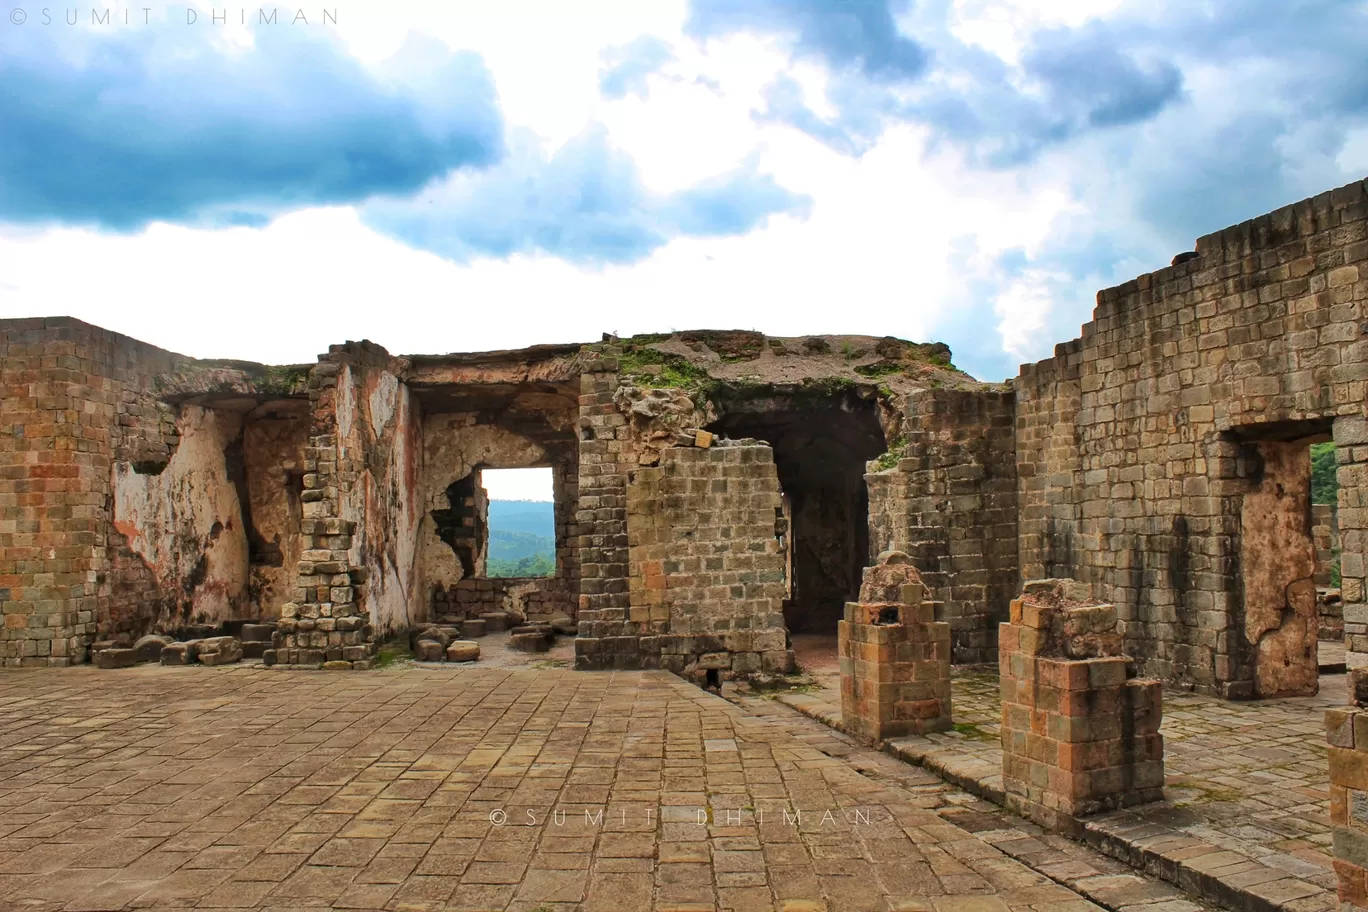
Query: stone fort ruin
(719, 492)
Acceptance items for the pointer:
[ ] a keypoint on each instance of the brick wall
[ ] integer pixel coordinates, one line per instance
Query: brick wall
(1132, 442)
(706, 572)
(951, 504)
(606, 456)
(75, 397)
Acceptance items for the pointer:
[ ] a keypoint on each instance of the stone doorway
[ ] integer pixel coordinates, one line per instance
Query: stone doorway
(1278, 562)
(821, 444)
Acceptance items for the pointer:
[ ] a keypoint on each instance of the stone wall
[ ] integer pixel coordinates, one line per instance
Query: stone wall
(358, 570)
(1325, 536)
(1134, 442)
(273, 441)
(705, 569)
(606, 455)
(1346, 734)
(534, 598)
(185, 523)
(951, 503)
(73, 399)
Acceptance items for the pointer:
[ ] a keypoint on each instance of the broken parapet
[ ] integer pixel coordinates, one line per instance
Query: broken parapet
(1079, 735)
(1346, 731)
(895, 656)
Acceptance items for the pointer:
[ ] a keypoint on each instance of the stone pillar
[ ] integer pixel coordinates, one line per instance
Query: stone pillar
(1079, 735)
(607, 638)
(325, 623)
(1346, 731)
(895, 656)
(1351, 454)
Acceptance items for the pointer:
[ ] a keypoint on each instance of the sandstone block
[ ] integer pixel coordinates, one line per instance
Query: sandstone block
(117, 658)
(180, 653)
(463, 651)
(529, 642)
(257, 633)
(472, 628)
(495, 621)
(220, 650)
(149, 648)
(429, 650)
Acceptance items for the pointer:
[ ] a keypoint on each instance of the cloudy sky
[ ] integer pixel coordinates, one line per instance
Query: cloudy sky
(467, 174)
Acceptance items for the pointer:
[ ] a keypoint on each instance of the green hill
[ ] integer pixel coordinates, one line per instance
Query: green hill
(522, 539)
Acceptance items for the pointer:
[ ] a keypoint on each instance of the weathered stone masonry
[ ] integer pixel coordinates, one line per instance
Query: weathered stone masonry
(1138, 442)
(1159, 458)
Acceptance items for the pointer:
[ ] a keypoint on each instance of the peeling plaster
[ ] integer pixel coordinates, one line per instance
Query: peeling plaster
(186, 522)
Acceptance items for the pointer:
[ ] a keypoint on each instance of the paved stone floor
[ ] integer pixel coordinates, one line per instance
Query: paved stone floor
(1247, 777)
(488, 789)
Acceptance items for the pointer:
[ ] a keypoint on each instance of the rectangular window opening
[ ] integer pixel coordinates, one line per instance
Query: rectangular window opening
(521, 526)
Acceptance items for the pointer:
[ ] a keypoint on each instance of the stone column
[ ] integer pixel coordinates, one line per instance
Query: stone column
(325, 623)
(1079, 735)
(895, 656)
(1346, 731)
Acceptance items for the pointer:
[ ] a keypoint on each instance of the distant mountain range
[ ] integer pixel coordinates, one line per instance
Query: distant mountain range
(522, 538)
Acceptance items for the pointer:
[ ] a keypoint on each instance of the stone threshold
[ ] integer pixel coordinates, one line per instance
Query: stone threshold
(1211, 873)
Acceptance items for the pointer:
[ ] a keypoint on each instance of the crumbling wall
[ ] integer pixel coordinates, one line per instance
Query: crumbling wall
(380, 456)
(73, 398)
(273, 451)
(454, 524)
(1129, 458)
(185, 524)
(951, 504)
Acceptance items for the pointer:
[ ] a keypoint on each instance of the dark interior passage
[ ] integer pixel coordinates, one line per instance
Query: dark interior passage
(820, 450)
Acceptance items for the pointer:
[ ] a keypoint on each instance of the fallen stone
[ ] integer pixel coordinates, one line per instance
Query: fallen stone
(472, 628)
(180, 653)
(149, 648)
(222, 650)
(268, 657)
(116, 658)
(429, 651)
(436, 634)
(337, 665)
(564, 625)
(463, 651)
(495, 621)
(529, 642)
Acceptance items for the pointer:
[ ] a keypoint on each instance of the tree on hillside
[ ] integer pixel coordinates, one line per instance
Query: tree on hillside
(1324, 484)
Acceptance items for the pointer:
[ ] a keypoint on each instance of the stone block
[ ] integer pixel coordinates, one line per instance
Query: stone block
(257, 633)
(529, 642)
(473, 628)
(149, 648)
(183, 653)
(253, 649)
(463, 651)
(429, 650)
(495, 621)
(220, 650)
(117, 658)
